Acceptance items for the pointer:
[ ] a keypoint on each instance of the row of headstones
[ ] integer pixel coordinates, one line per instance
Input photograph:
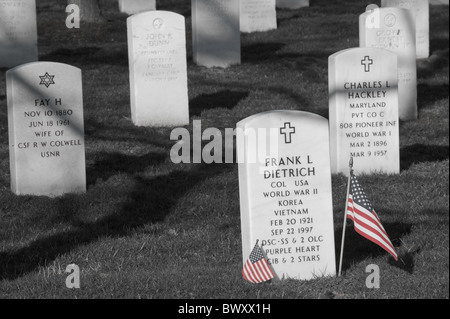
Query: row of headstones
(249, 7)
(157, 52)
(285, 197)
(18, 30)
(216, 26)
(286, 158)
(364, 92)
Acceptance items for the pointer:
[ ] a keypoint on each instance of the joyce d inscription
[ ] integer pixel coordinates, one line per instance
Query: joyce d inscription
(46, 130)
(285, 196)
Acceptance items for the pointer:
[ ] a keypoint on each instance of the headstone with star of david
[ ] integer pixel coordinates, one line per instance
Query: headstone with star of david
(285, 192)
(393, 29)
(363, 111)
(216, 34)
(421, 12)
(18, 32)
(292, 4)
(46, 129)
(158, 69)
(258, 15)
(136, 6)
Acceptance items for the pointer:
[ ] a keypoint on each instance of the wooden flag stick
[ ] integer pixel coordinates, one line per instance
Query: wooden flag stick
(345, 216)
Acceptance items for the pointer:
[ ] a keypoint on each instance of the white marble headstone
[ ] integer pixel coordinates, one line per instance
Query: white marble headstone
(216, 38)
(18, 32)
(393, 29)
(285, 192)
(136, 6)
(158, 69)
(363, 111)
(258, 15)
(46, 129)
(421, 11)
(292, 4)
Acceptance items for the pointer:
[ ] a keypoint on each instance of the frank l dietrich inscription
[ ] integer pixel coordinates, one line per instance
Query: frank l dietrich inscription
(285, 194)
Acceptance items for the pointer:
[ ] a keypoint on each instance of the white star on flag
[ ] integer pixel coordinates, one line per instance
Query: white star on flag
(366, 221)
(256, 269)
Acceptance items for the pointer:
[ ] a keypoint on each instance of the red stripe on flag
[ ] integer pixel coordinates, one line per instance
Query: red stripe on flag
(359, 224)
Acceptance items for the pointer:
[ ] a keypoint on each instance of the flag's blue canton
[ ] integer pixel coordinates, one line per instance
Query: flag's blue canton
(358, 194)
(256, 255)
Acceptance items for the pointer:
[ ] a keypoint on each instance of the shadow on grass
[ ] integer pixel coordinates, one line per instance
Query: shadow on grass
(428, 67)
(111, 55)
(419, 153)
(224, 99)
(259, 52)
(358, 248)
(112, 164)
(429, 94)
(150, 201)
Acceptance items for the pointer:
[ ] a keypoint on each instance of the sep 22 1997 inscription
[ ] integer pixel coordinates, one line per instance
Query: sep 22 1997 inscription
(285, 194)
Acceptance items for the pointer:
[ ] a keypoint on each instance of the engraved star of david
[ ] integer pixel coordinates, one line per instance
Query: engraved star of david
(47, 79)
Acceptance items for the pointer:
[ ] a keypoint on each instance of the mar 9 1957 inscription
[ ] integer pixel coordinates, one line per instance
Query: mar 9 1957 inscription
(363, 108)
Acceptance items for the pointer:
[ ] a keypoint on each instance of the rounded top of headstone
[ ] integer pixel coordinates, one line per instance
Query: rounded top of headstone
(371, 7)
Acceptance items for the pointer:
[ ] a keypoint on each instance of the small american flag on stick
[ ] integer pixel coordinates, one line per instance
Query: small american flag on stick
(256, 269)
(366, 221)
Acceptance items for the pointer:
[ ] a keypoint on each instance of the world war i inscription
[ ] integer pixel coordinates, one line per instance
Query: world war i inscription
(364, 120)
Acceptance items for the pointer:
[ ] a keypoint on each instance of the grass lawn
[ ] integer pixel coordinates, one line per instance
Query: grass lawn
(149, 228)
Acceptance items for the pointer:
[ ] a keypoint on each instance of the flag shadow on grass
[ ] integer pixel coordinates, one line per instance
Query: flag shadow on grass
(358, 248)
(149, 201)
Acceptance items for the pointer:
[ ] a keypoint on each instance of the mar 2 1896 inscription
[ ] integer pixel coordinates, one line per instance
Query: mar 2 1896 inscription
(364, 120)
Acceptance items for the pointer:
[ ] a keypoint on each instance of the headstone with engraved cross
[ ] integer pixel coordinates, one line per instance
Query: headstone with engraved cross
(285, 192)
(363, 111)
(393, 29)
(46, 129)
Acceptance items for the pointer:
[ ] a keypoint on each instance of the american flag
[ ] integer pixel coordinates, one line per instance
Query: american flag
(256, 269)
(366, 221)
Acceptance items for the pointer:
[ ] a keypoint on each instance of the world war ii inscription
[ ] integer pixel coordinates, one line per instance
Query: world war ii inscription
(286, 194)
